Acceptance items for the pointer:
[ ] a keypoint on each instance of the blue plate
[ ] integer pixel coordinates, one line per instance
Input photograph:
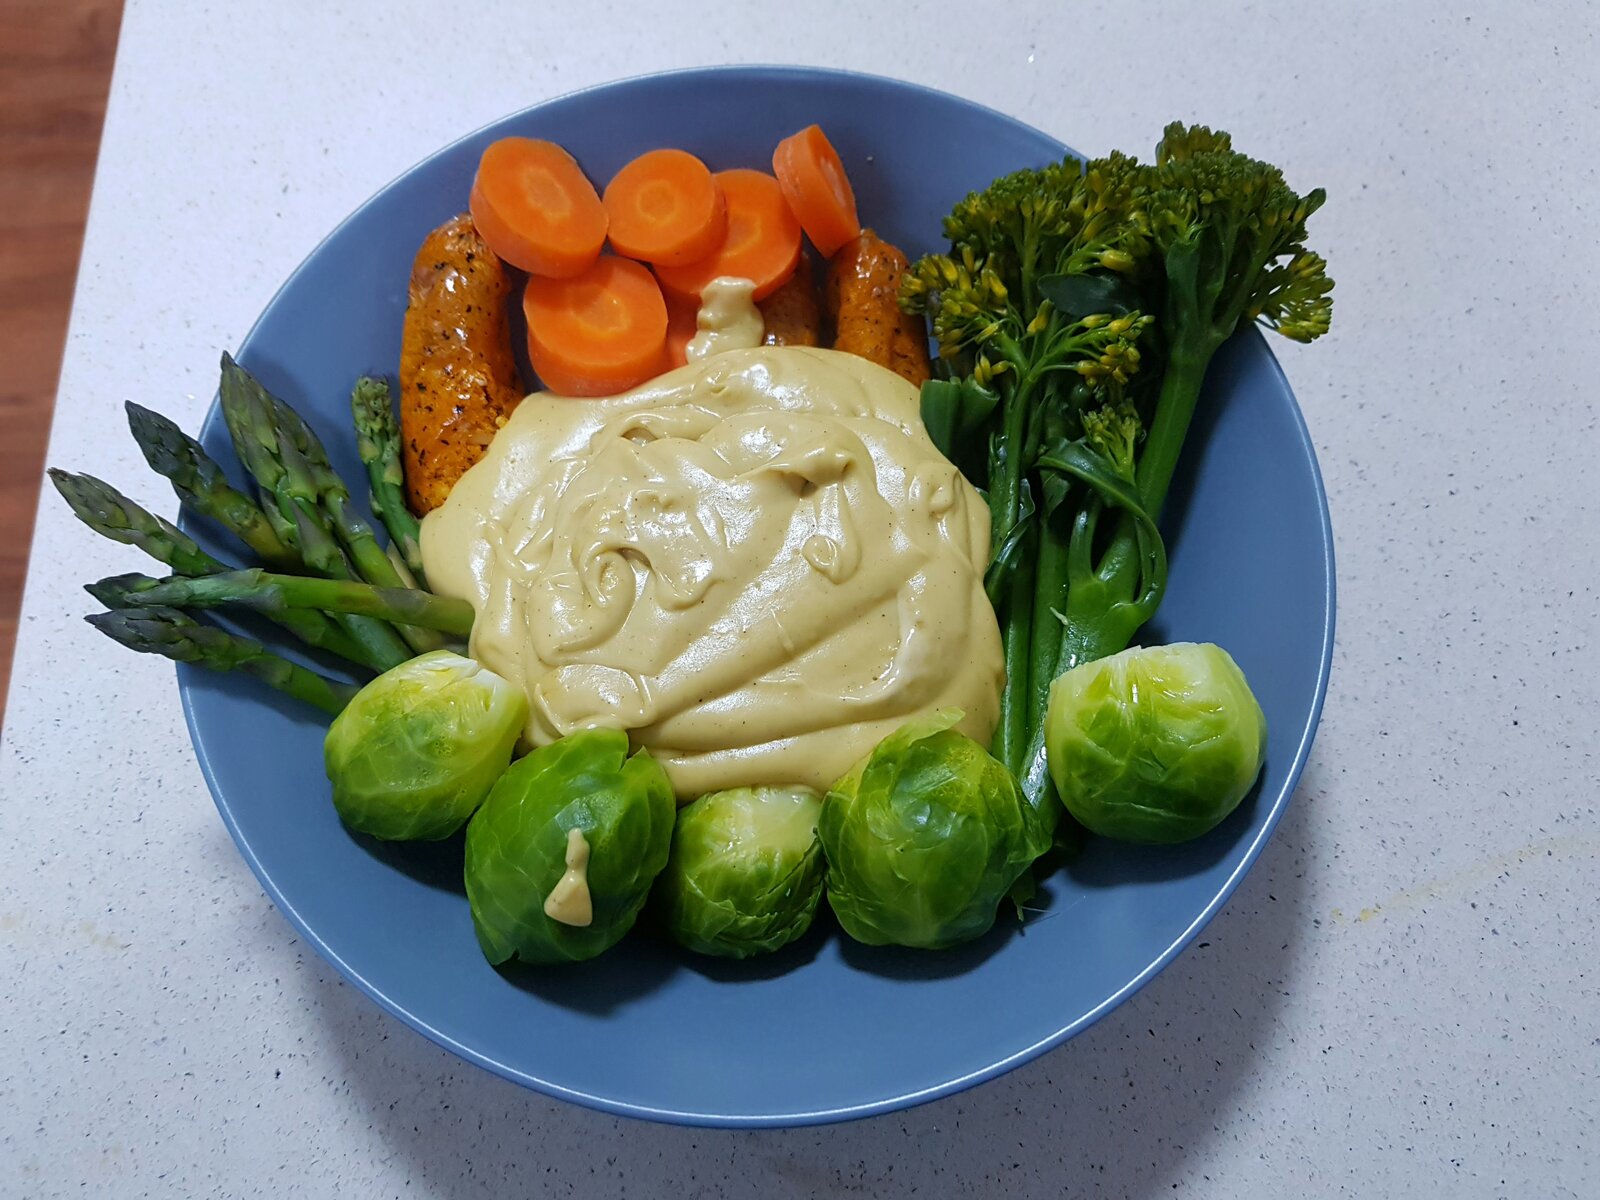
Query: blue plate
(826, 1030)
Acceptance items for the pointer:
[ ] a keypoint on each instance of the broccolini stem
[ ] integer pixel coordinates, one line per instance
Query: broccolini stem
(1011, 734)
(378, 442)
(1102, 616)
(1049, 600)
(280, 594)
(1180, 392)
(167, 632)
(200, 483)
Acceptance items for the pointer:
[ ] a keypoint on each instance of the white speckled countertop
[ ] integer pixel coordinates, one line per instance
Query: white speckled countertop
(1401, 998)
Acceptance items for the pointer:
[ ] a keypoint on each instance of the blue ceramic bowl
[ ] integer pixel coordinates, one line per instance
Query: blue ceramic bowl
(827, 1029)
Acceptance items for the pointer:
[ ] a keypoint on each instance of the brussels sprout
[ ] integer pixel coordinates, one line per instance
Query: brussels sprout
(1155, 744)
(924, 837)
(745, 872)
(418, 748)
(521, 842)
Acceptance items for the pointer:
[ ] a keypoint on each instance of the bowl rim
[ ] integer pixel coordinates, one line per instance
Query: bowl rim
(948, 1087)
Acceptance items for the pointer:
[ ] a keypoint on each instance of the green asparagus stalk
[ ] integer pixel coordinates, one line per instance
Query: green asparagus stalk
(168, 632)
(378, 443)
(245, 408)
(310, 478)
(277, 594)
(235, 391)
(200, 483)
(111, 514)
(287, 483)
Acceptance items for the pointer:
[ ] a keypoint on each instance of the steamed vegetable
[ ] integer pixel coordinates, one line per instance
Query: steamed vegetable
(357, 600)
(378, 443)
(1076, 313)
(762, 242)
(808, 170)
(1156, 744)
(282, 596)
(200, 483)
(416, 751)
(291, 494)
(598, 333)
(177, 636)
(111, 514)
(520, 841)
(536, 209)
(745, 872)
(924, 837)
(664, 207)
(286, 456)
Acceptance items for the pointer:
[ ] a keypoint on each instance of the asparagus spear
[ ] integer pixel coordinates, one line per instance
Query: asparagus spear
(200, 483)
(278, 594)
(168, 632)
(292, 496)
(287, 484)
(111, 514)
(312, 484)
(235, 390)
(378, 443)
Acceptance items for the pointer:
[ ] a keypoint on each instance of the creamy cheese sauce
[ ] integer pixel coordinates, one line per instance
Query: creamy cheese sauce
(728, 319)
(569, 901)
(758, 564)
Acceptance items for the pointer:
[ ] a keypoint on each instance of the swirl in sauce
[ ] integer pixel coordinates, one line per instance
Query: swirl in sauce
(758, 564)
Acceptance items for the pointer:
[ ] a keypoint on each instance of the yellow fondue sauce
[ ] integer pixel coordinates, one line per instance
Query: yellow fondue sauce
(758, 564)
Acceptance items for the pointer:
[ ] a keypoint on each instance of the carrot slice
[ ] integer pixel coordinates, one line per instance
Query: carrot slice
(817, 189)
(535, 208)
(665, 208)
(762, 243)
(597, 333)
(682, 325)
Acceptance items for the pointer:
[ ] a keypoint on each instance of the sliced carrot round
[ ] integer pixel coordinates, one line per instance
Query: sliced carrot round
(762, 243)
(597, 333)
(535, 208)
(665, 208)
(817, 189)
(682, 325)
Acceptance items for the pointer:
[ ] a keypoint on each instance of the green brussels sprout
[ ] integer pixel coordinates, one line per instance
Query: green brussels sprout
(1155, 744)
(561, 856)
(745, 872)
(924, 837)
(416, 751)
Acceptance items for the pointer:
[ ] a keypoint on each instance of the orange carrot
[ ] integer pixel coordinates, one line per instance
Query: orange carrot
(665, 208)
(534, 207)
(817, 189)
(682, 325)
(762, 243)
(597, 333)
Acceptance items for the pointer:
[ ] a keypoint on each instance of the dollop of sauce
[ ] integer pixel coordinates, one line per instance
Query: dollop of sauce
(728, 319)
(758, 564)
(569, 902)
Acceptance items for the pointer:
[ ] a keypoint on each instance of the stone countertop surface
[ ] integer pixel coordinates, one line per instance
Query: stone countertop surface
(1400, 999)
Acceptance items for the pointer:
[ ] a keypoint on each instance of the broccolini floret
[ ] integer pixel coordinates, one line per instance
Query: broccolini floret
(1076, 313)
